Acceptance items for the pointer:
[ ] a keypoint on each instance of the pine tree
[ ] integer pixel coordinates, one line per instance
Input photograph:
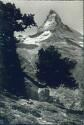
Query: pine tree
(53, 69)
(11, 20)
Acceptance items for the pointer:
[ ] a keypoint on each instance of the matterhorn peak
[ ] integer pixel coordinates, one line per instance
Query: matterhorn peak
(54, 15)
(52, 21)
(52, 12)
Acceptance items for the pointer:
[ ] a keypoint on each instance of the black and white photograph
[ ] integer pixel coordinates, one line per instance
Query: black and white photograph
(41, 62)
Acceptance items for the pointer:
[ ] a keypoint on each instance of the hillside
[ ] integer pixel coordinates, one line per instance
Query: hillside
(63, 110)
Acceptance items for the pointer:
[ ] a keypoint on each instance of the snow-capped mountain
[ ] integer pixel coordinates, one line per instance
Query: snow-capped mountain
(54, 26)
(54, 32)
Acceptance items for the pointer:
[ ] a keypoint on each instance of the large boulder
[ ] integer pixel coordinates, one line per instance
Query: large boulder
(44, 94)
(31, 90)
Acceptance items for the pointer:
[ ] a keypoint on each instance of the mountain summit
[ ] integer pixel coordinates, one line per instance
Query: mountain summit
(52, 21)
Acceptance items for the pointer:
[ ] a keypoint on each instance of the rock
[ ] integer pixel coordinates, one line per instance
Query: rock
(31, 90)
(44, 94)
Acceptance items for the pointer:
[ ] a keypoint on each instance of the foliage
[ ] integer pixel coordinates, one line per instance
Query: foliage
(53, 69)
(11, 20)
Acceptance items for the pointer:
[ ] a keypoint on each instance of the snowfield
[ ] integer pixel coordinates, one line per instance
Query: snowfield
(36, 40)
(81, 43)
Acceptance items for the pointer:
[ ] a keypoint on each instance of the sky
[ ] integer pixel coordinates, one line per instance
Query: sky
(71, 12)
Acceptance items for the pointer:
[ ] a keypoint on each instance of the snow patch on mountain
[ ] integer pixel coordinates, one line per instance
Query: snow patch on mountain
(36, 40)
(81, 43)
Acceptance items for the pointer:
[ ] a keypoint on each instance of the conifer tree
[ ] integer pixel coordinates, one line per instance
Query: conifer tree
(11, 20)
(53, 69)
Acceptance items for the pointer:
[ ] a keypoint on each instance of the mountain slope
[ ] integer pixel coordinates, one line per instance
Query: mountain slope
(53, 32)
(63, 110)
